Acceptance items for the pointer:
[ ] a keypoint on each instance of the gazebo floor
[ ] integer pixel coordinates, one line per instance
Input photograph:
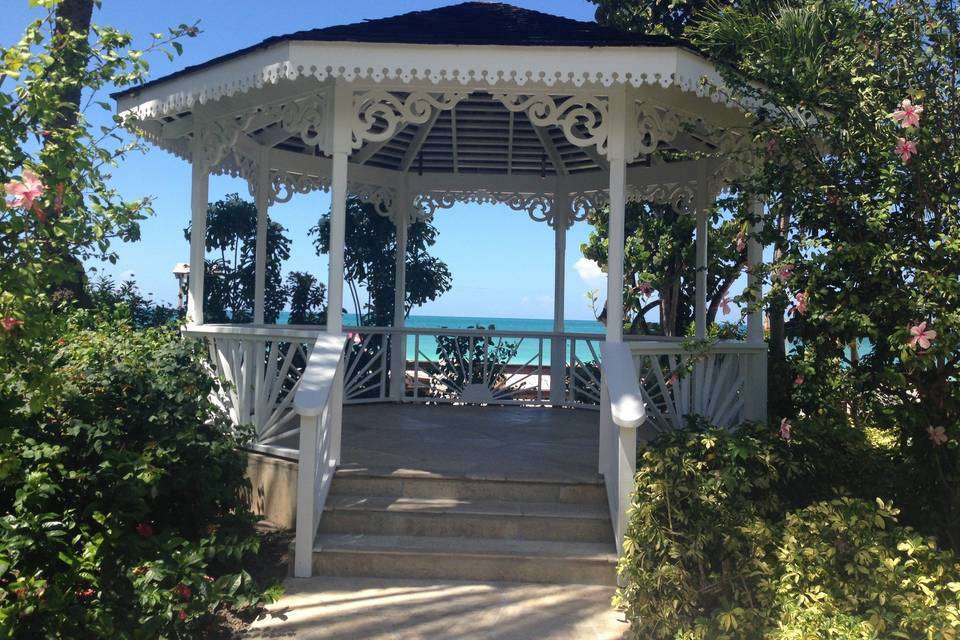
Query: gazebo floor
(487, 443)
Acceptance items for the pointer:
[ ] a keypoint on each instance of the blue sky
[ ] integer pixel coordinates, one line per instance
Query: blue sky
(502, 262)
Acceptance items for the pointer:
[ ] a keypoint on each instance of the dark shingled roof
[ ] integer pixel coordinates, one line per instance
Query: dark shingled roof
(469, 23)
(479, 23)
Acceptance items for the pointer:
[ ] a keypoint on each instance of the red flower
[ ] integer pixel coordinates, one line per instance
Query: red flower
(183, 591)
(182, 615)
(208, 579)
(9, 324)
(145, 530)
(84, 594)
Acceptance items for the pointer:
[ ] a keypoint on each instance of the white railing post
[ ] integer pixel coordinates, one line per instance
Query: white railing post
(626, 470)
(335, 418)
(625, 407)
(317, 405)
(306, 496)
(606, 425)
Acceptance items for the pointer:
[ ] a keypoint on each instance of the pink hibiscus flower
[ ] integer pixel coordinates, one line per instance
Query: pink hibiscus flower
(354, 337)
(741, 241)
(906, 149)
(24, 191)
(9, 324)
(937, 435)
(798, 380)
(908, 115)
(920, 336)
(784, 272)
(645, 288)
(800, 303)
(725, 305)
(785, 428)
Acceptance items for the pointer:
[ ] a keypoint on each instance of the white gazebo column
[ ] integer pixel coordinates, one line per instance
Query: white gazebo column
(342, 106)
(614, 452)
(199, 195)
(755, 380)
(558, 344)
(398, 352)
(262, 201)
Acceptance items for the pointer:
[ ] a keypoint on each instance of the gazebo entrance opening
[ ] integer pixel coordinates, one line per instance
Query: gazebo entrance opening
(549, 116)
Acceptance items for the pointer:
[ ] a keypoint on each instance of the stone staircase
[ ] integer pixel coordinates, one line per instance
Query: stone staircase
(422, 525)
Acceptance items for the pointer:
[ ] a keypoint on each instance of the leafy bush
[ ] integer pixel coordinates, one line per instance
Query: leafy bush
(846, 570)
(698, 527)
(729, 537)
(122, 492)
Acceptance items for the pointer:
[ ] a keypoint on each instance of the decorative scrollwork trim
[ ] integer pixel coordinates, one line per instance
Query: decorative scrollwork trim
(583, 118)
(379, 114)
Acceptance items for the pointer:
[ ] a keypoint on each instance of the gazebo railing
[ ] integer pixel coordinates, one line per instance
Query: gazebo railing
(262, 366)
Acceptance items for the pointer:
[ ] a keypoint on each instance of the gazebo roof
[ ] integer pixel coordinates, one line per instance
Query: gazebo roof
(476, 100)
(468, 23)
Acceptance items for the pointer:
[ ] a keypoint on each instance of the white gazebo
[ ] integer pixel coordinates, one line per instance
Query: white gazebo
(476, 102)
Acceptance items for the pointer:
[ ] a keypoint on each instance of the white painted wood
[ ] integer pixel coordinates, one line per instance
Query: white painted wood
(199, 195)
(656, 69)
(262, 203)
(343, 109)
(306, 497)
(398, 363)
(626, 402)
(316, 401)
(318, 378)
(558, 348)
(616, 152)
(625, 473)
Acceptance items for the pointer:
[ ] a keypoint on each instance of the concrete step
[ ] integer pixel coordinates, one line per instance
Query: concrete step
(554, 521)
(341, 554)
(415, 484)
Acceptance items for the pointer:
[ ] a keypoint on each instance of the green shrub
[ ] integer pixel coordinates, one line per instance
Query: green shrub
(699, 527)
(122, 493)
(731, 536)
(846, 565)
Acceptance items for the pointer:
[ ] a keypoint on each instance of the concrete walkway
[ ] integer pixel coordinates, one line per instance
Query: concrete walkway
(389, 609)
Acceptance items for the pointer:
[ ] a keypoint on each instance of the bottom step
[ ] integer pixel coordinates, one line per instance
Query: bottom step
(464, 559)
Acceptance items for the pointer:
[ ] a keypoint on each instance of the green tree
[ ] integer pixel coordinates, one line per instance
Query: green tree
(670, 17)
(307, 296)
(229, 278)
(659, 265)
(371, 244)
(871, 186)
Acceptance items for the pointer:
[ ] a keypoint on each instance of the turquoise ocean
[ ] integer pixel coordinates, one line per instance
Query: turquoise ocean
(527, 348)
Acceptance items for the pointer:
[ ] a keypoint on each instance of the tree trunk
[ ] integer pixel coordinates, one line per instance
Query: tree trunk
(72, 15)
(778, 332)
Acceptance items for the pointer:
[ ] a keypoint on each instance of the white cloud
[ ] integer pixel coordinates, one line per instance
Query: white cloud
(589, 271)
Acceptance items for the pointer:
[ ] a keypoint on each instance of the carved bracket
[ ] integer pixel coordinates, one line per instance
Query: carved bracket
(379, 114)
(653, 125)
(583, 118)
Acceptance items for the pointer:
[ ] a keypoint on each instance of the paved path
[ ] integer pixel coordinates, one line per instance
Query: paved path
(389, 609)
